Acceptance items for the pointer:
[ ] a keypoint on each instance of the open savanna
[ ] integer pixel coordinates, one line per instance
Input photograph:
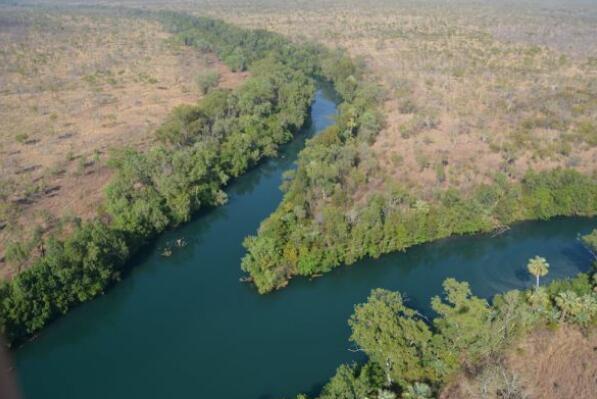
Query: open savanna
(470, 88)
(73, 85)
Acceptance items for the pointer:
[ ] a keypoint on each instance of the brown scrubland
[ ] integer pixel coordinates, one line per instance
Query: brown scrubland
(548, 364)
(74, 85)
(471, 88)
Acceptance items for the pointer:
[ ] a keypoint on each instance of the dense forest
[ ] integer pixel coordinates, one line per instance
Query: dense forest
(200, 147)
(412, 356)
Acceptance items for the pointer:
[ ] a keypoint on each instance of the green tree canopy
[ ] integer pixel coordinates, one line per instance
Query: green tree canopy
(392, 335)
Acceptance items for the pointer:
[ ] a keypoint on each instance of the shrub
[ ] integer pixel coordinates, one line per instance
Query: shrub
(207, 80)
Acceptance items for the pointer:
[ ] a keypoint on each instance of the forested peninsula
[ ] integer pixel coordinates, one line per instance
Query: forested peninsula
(319, 225)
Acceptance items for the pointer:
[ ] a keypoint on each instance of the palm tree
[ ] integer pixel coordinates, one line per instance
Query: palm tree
(417, 391)
(538, 267)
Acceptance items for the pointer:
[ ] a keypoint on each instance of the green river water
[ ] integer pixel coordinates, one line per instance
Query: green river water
(185, 327)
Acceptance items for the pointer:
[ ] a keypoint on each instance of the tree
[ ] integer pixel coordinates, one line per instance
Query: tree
(539, 299)
(351, 382)
(568, 302)
(183, 125)
(590, 241)
(538, 267)
(17, 253)
(464, 321)
(581, 309)
(207, 80)
(385, 394)
(394, 336)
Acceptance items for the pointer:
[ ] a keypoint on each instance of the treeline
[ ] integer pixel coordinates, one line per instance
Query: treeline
(205, 145)
(238, 48)
(200, 148)
(412, 357)
(318, 226)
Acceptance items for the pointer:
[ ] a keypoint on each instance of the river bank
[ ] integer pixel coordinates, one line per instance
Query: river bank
(183, 326)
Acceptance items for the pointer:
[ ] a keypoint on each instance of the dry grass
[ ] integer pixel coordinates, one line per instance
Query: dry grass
(72, 86)
(557, 364)
(472, 89)
(547, 364)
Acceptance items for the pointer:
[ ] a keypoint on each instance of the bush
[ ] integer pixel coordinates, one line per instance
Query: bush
(207, 80)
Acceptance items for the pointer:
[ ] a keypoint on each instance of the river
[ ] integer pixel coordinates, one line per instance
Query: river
(185, 327)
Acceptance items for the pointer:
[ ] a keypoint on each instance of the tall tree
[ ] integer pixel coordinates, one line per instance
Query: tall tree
(538, 267)
(464, 321)
(394, 336)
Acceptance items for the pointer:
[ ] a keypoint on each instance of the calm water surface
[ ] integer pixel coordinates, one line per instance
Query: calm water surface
(184, 327)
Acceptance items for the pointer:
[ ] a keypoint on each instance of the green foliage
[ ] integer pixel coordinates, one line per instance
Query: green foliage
(319, 225)
(393, 336)
(17, 253)
(201, 147)
(575, 308)
(21, 138)
(207, 80)
(466, 333)
(71, 272)
(239, 48)
(464, 321)
(418, 391)
(204, 146)
(559, 192)
(335, 231)
(590, 240)
(352, 382)
(538, 267)
(182, 126)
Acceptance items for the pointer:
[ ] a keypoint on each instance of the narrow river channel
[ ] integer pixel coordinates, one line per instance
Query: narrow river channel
(185, 327)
